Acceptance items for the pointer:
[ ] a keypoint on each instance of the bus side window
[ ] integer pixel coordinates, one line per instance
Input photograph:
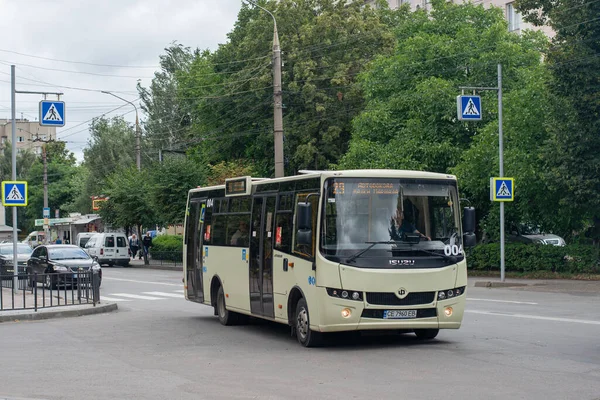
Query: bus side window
(307, 250)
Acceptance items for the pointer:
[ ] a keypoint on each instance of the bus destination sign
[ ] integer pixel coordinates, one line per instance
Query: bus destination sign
(237, 186)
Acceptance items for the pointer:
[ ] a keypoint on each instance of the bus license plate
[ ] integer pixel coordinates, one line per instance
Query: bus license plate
(399, 314)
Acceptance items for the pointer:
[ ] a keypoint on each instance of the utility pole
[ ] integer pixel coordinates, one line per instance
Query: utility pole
(138, 148)
(277, 98)
(45, 182)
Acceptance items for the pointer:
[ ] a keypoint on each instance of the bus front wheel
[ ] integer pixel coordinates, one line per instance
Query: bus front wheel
(225, 317)
(426, 334)
(305, 336)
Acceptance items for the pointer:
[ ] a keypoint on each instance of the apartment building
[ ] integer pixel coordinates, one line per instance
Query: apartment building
(515, 22)
(27, 133)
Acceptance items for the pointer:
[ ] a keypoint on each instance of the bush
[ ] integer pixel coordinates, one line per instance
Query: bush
(167, 247)
(529, 258)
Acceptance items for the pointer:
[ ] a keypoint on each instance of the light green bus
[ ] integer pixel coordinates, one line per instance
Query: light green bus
(330, 251)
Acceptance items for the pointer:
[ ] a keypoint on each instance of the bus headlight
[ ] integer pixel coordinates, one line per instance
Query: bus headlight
(345, 294)
(450, 293)
(346, 313)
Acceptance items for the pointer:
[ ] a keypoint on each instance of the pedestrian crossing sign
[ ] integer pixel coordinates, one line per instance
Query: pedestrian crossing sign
(52, 113)
(14, 193)
(502, 189)
(468, 108)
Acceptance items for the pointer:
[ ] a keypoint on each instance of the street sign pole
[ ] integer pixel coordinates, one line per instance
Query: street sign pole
(14, 172)
(501, 158)
(501, 162)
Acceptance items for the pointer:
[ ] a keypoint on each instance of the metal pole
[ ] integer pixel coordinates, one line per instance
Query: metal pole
(277, 98)
(138, 147)
(501, 162)
(14, 173)
(45, 182)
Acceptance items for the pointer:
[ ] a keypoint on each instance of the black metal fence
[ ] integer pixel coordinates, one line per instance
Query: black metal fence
(35, 291)
(171, 258)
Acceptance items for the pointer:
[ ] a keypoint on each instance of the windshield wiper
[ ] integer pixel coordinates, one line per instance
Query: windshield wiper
(371, 245)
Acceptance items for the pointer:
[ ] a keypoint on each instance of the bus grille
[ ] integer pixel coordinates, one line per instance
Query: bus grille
(390, 299)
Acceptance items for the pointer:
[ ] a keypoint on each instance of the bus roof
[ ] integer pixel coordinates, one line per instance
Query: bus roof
(352, 173)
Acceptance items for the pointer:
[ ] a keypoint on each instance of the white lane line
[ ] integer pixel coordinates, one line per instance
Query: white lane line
(538, 317)
(104, 298)
(179, 291)
(133, 280)
(502, 301)
(136, 296)
(178, 296)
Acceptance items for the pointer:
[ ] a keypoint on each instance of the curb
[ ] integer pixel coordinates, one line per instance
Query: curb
(494, 284)
(160, 267)
(64, 313)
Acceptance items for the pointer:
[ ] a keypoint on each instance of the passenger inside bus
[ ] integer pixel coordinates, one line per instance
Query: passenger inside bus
(240, 237)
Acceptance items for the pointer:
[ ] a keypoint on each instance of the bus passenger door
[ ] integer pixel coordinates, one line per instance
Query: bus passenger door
(261, 256)
(194, 256)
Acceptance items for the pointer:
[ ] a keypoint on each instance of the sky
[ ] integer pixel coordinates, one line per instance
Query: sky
(69, 45)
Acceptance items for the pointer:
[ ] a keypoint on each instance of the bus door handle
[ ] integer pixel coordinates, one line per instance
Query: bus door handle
(285, 264)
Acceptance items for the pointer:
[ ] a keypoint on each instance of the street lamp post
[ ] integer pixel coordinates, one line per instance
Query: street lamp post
(277, 98)
(138, 157)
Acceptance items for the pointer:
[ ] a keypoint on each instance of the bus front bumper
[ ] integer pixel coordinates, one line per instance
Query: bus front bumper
(347, 315)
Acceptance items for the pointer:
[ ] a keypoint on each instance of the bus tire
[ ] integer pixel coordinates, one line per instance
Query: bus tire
(225, 317)
(426, 334)
(305, 336)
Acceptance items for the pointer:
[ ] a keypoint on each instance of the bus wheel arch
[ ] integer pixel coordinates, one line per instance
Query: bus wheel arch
(295, 295)
(215, 284)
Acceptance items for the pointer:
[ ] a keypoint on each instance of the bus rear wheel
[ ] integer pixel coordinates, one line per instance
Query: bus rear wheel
(225, 317)
(426, 334)
(305, 336)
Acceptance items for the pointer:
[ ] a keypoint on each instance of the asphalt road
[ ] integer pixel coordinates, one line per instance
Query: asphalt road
(514, 343)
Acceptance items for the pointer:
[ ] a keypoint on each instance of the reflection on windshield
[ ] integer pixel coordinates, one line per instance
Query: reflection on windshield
(68, 254)
(21, 249)
(405, 215)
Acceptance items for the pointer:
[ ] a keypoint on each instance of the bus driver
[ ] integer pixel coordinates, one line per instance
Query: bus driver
(400, 225)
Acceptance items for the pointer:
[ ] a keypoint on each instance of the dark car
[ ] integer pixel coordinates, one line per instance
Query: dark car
(61, 264)
(6, 258)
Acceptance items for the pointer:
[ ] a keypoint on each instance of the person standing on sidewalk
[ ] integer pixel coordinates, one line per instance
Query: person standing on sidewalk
(147, 242)
(134, 245)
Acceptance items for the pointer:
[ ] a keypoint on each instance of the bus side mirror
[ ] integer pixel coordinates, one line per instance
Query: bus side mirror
(304, 216)
(469, 238)
(304, 234)
(469, 220)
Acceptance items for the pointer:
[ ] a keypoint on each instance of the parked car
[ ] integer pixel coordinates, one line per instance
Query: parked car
(111, 248)
(35, 238)
(60, 264)
(533, 235)
(6, 258)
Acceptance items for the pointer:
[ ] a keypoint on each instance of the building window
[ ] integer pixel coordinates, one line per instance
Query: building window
(513, 17)
(20, 139)
(3, 139)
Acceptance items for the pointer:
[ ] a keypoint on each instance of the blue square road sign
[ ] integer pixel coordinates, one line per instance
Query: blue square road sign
(14, 193)
(503, 189)
(468, 108)
(52, 113)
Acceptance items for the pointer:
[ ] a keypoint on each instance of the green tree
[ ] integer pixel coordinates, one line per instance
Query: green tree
(410, 119)
(572, 154)
(169, 183)
(129, 202)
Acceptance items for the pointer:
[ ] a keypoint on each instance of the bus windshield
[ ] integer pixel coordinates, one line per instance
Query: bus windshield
(396, 221)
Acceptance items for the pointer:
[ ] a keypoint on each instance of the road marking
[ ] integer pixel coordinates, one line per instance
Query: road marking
(502, 301)
(164, 294)
(133, 280)
(104, 298)
(136, 296)
(538, 317)
(179, 291)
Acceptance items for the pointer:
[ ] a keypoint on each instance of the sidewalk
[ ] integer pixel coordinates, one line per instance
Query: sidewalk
(571, 286)
(156, 264)
(62, 306)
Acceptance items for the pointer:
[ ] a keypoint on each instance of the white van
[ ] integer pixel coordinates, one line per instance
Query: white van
(110, 248)
(34, 239)
(83, 237)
